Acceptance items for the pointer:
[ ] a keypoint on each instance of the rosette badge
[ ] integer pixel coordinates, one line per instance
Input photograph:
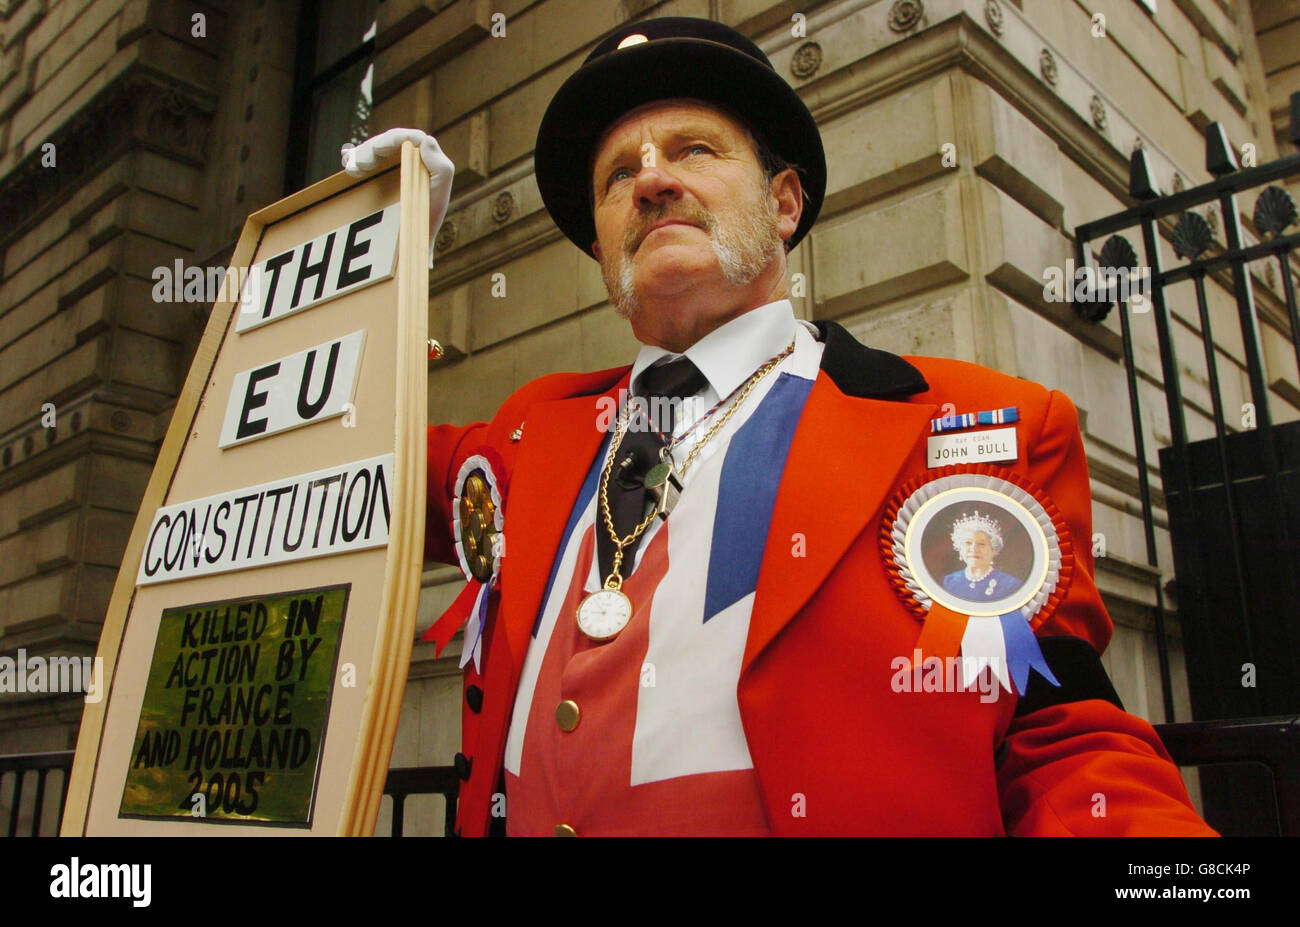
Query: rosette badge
(982, 557)
(478, 529)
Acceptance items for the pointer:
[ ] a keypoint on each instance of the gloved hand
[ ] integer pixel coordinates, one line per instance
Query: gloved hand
(361, 159)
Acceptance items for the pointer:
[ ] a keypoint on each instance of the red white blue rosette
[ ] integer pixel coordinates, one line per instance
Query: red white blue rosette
(478, 530)
(970, 603)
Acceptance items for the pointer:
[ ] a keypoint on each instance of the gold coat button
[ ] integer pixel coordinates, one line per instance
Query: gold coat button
(564, 830)
(567, 714)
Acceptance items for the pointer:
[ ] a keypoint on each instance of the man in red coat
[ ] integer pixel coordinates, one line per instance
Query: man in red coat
(720, 608)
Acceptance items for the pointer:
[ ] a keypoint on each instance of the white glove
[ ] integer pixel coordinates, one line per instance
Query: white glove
(359, 160)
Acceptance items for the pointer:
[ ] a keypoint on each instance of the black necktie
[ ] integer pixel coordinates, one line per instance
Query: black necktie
(637, 453)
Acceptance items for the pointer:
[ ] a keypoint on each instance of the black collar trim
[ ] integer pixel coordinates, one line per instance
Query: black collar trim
(862, 371)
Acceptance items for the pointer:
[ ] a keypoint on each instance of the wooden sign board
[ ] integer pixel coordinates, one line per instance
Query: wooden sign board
(257, 641)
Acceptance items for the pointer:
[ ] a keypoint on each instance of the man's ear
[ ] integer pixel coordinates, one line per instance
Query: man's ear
(595, 249)
(789, 196)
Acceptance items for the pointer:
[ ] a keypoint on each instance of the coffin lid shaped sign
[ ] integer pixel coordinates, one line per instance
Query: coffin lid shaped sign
(292, 471)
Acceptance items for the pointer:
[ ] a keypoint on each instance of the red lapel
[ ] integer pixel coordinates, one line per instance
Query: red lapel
(843, 461)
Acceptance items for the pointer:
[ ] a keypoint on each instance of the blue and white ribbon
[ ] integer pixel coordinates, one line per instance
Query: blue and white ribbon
(971, 419)
(998, 416)
(473, 645)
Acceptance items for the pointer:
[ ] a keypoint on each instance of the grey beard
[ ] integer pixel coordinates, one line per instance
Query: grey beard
(622, 292)
(744, 241)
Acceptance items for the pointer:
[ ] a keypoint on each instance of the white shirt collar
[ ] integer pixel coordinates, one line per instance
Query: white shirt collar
(731, 352)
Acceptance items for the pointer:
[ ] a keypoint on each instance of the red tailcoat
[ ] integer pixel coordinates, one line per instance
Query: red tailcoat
(835, 749)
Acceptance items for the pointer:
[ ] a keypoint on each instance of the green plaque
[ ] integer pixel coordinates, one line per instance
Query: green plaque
(235, 708)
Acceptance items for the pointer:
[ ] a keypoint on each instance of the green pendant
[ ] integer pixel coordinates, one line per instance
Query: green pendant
(657, 475)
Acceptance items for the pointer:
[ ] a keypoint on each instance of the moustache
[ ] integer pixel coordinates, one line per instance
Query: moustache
(697, 216)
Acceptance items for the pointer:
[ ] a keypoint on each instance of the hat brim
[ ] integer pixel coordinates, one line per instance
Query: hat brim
(599, 93)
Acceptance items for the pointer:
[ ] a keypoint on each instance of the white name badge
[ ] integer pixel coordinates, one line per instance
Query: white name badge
(961, 447)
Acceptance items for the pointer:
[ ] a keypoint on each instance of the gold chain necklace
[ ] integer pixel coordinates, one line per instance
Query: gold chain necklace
(748, 388)
(603, 614)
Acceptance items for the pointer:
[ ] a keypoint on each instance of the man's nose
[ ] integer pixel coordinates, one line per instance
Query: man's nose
(655, 184)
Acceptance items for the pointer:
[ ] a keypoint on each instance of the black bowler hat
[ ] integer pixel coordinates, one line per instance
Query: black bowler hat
(658, 59)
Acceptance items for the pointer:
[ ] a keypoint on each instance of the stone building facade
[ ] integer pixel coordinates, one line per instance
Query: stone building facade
(965, 140)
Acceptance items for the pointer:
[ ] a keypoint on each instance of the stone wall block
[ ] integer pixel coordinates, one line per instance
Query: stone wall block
(867, 157)
(885, 253)
(1015, 155)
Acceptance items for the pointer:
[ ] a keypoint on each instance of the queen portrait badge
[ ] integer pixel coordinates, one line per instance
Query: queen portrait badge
(983, 557)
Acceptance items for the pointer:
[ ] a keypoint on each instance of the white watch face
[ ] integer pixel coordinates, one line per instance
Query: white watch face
(603, 614)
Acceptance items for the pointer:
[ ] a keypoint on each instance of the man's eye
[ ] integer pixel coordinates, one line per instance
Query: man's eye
(616, 175)
(697, 147)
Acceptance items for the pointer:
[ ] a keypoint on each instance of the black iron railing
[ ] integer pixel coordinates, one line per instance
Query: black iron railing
(423, 780)
(1233, 500)
(1272, 743)
(1193, 239)
(29, 773)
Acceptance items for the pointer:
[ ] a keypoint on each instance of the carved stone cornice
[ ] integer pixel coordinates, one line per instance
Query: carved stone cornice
(141, 109)
(865, 59)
